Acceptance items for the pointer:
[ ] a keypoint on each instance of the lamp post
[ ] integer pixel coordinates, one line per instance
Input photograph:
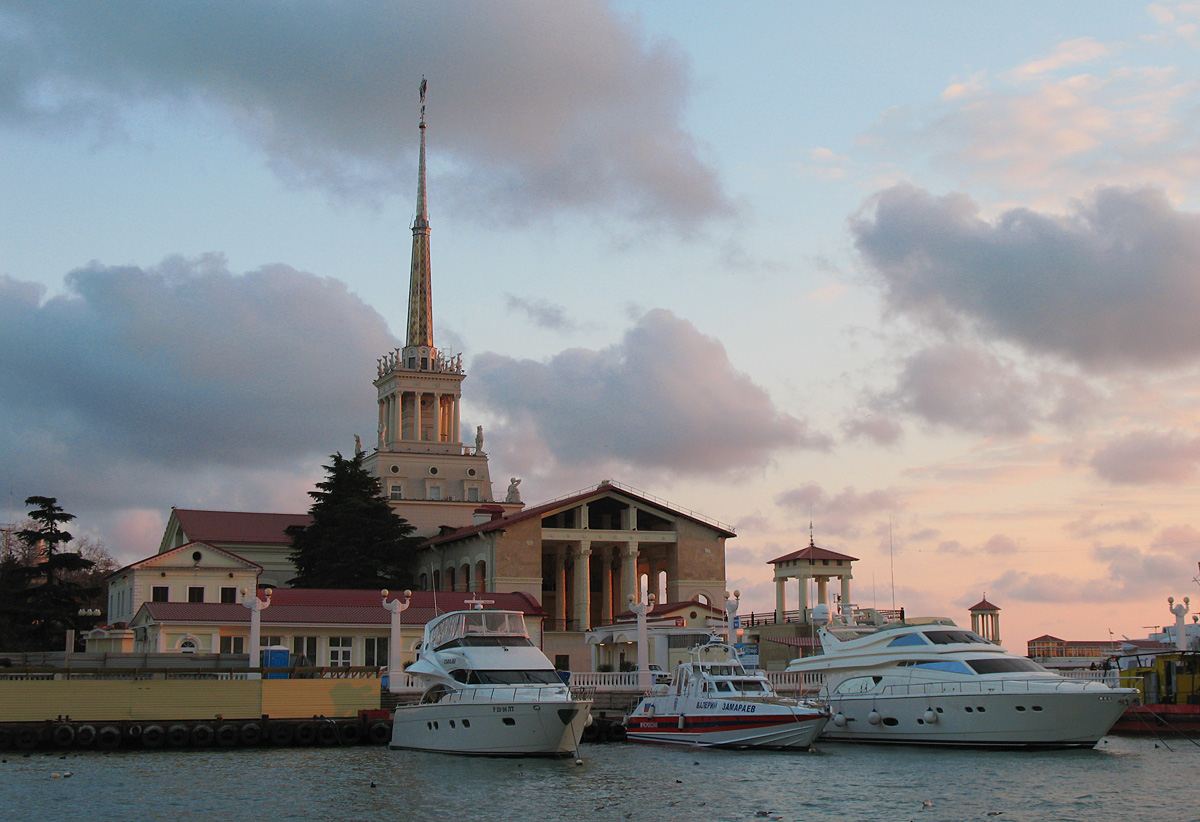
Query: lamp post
(256, 606)
(82, 614)
(395, 645)
(731, 606)
(645, 677)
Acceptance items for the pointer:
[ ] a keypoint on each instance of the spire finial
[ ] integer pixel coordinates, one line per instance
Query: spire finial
(811, 543)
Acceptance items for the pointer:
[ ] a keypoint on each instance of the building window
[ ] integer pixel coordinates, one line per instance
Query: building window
(396, 491)
(196, 594)
(435, 492)
(233, 645)
(375, 651)
(304, 648)
(229, 595)
(270, 641)
(160, 593)
(472, 495)
(188, 646)
(339, 651)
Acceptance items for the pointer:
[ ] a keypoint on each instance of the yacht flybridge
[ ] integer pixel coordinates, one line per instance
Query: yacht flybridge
(489, 691)
(927, 681)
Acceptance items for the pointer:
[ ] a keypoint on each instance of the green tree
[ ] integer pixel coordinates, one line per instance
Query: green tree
(355, 539)
(43, 585)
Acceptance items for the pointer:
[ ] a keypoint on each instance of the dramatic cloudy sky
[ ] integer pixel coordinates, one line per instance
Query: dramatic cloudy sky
(926, 276)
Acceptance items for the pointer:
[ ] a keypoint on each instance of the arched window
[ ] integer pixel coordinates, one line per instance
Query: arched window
(480, 576)
(188, 645)
(465, 573)
(450, 579)
(437, 580)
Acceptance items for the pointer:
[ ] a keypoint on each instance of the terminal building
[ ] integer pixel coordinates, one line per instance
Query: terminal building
(580, 557)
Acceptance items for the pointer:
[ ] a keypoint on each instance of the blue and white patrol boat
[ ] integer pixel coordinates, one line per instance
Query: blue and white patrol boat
(713, 701)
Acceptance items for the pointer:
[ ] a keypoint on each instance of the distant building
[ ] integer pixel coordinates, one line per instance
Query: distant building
(1053, 652)
(257, 538)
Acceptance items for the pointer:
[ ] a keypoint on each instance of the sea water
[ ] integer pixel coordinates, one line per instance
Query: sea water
(1123, 779)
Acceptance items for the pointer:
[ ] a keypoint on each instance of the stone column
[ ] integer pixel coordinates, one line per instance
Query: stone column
(780, 599)
(583, 584)
(606, 592)
(629, 584)
(845, 590)
(416, 416)
(437, 417)
(560, 589)
(823, 590)
(803, 594)
(455, 422)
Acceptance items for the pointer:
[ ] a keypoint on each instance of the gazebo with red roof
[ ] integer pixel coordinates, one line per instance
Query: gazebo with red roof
(811, 563)
(985, 620)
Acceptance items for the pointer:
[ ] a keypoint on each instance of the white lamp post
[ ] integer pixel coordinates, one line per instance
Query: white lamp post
(645, 676)
(256, 606)
(731, 606)
(395, 645)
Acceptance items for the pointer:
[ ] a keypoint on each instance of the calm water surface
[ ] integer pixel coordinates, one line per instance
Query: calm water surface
(1125, 779)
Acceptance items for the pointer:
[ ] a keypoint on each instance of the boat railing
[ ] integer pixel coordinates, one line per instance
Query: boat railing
(992, 686)
(506, 693)
(605, 680)
(795, 682)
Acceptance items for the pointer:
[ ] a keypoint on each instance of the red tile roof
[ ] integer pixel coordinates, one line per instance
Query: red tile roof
(182, 550)
(500, 523)
(237, 526)
(984, 605)
(812, 552)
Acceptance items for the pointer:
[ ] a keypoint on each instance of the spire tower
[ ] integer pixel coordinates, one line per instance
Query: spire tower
(426, 473)
(420, 282)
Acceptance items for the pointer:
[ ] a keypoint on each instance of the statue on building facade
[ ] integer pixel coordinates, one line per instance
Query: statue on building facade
(513, 495)
(479, 439)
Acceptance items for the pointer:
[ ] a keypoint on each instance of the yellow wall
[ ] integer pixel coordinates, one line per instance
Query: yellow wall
(111, 700)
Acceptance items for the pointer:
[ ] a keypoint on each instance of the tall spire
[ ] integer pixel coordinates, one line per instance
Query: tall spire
(420, 284)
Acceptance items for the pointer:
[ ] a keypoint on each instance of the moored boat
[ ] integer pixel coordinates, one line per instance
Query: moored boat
(713, 701)
(927, 681)
(488, 691)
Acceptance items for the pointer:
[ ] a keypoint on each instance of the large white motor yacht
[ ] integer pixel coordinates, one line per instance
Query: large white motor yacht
(713, 701)
(489, 691)
(927, 681)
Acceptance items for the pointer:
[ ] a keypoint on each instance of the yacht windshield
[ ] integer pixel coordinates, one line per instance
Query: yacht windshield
(948, 665)
(908, 639)
(952, 637)
(1005, 665)
(513, 678)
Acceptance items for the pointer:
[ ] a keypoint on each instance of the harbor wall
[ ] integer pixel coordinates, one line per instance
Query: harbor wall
(114, 700)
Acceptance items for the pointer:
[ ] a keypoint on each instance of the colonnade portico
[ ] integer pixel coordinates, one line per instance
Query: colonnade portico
(419, 416)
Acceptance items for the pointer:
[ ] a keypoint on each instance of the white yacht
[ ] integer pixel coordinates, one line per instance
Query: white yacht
(489, 691)
(926, 681)
(713, 701)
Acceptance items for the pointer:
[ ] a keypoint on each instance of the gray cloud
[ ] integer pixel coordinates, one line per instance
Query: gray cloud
(666, 397)
(879, 429)
(1130, 574)
(1146, 457)
(144, 388)
(1110, 285)
(841, 514)
(534, 107)
(541, 313)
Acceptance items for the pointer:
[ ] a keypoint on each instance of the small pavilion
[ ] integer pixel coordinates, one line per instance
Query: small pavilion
(811, 563)
(985, 620)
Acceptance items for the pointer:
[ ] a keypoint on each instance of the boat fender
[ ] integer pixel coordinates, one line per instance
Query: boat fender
(306, 733)
(930, 716)
(28, 738)
(108, 737)
(681, 720)
(282, 733)
(874, 717)
(251, 733)
(327, 733)
(153, 736)
(616, 732)
(85, 735)
(351, 733)
(379, 733)
(587, 723)
(839, 719)
(227, 735)
(133, 731)
(63, 736)
(202, 735)
(178, 736)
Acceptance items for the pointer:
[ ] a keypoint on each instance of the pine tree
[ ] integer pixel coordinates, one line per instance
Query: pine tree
(355, 539)
(45, 587)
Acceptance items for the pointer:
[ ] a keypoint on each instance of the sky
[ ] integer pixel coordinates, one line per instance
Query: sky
(926, 276)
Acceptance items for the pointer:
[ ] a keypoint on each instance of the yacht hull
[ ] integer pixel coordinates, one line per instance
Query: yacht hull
(765, 726)
(492, 728)
(1025, 719)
